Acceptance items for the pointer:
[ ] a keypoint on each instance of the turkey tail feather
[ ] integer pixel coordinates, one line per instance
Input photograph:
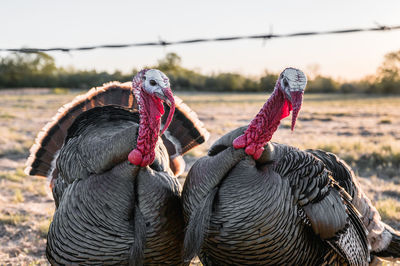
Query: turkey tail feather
(186, 128)
(380, 235)
(393, 250)
(186, 131)
(51, 138)
(197, 225)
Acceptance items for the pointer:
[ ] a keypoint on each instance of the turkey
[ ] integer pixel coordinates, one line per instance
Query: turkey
(253, 202)
(112, 175)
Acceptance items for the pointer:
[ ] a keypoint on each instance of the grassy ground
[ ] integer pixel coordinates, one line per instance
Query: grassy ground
(363, 130)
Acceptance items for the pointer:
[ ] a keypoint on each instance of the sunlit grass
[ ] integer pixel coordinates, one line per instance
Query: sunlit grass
(60, 91)
(389, 209)
(18, 197)
(43, 227)
(6, 116)
(16, 176)
(197, 152)
(36, 186)
(35, 262)
(367, 157)
(13, 219)
(9, 134)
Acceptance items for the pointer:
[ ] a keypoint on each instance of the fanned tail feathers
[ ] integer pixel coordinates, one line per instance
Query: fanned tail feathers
(186, 128)
(186, 131)
(51, 138)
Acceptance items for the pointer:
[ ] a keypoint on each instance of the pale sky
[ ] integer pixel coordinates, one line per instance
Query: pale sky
(55, 23)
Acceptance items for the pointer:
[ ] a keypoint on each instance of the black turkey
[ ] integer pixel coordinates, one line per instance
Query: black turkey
(111, 210)
(252, 202)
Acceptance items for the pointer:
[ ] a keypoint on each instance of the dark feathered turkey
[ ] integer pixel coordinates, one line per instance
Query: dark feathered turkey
(282, 209)
(252, 202)
(109, 211)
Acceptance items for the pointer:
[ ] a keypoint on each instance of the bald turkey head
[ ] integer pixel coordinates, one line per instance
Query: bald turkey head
(287, 96)
(292, 82)
(151, 88)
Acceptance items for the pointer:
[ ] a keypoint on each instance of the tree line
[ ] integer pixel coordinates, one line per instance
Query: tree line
(20, 70)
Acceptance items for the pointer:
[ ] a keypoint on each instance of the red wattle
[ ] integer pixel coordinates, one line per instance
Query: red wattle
(239, 142)
(254, 150)
(250, 150)
(148, 159)
(160, 107)
(258, 153)
(297, 99)
(135, 157)
(286, 108)
(170, 97)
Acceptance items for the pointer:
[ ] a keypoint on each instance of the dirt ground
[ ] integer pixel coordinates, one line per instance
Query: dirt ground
(363, 130)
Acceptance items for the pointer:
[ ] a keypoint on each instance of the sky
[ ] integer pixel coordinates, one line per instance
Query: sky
(55, 23)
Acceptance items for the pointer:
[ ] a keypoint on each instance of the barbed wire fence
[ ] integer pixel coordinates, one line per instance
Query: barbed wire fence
(201, 40)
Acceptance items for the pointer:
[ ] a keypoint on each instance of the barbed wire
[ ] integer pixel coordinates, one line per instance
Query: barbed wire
(200, 40)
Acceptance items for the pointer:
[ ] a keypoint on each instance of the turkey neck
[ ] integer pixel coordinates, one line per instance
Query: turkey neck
(150, 109)
(266, 122)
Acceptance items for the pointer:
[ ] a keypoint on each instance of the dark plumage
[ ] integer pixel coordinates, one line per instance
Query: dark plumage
(252, 202)
(109, 211)
(282, 209)
(384, 240)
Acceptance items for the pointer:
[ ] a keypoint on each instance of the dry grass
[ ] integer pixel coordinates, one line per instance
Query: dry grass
(18, 197)
(13, 219)
(16, 176)
(389, 209)
(43, 226)
(363, 130)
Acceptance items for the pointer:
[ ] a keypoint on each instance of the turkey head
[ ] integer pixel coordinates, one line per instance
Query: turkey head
(151, 88)
(287, 96)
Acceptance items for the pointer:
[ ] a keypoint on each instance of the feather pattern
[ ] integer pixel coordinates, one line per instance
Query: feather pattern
(384, 240)
(108, 210)
(284, 208)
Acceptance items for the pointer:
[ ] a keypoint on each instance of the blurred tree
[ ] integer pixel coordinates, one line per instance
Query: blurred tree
(40, 70)
(267, 82)
(22, 70)
(171, 62)
(388, 74)
(322, 84)
(180, 77)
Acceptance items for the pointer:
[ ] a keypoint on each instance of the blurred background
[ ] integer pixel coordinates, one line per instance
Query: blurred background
(357, 62)
(351, 104)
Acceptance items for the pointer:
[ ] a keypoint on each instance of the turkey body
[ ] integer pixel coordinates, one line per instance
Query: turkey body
(108, 209)
(284, 208)
(256, 218)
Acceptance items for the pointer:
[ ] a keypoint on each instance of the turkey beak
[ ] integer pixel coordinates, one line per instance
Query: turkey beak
(168, 98)
(297, 101)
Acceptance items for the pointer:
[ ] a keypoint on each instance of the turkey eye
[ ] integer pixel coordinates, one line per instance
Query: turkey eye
(152, 82)
(285, 83)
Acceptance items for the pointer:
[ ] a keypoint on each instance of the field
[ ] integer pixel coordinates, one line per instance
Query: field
(363, 130)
